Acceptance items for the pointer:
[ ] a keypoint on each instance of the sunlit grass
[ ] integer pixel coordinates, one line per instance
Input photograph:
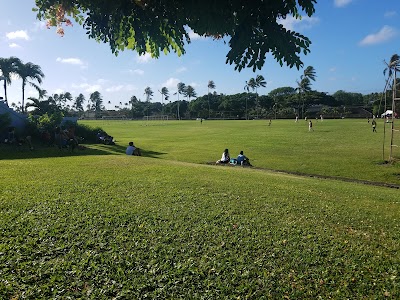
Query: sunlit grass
(104, 227)
(97, 224)
(344, 148)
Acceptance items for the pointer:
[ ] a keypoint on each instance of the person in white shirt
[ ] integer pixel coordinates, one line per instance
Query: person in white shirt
(132, 150)
(225, 157)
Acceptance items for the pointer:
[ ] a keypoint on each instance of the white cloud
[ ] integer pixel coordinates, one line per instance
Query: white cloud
(144, 58)
(19, 34)
(333, 69)
(115, 88)
(89, 88)
(385, 34)
(342, 3)
(102, 81)
(130, 87)
(291, 23)
(171, 83)
(137, 71)
(181, 70)
(120, 87)
(194, 84)
(71, 61)
(14, 45)
(390, 14)
(58, 91)
(193, 35)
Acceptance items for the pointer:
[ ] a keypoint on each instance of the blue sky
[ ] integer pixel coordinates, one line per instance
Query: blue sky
(350, 40)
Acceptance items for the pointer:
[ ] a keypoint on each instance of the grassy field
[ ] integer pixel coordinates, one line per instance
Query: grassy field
(344, 148)
(100, 225)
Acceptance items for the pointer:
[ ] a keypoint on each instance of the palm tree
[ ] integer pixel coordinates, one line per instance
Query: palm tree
(251, 84)
(149, 93)
(28, 72)
(392, 67)
(97, 101)
(259, 82)
(164, 93)
(78, 104)
(181, 90)
(133, 102)
(190, 92)
(61, 99)
(37, 103)
(304, 85)
(8, 66)
(211, 85)
(309, 73)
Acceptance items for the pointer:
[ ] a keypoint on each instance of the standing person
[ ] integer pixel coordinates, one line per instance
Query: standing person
(225, 157)
(297, 118)
(60, 139)
(373, 125)
(310, 128)
(243, 160)
(132, 150)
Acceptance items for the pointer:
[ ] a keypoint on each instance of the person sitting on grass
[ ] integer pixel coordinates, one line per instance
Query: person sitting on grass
(132, 150)
(243, 160)
(225, 157)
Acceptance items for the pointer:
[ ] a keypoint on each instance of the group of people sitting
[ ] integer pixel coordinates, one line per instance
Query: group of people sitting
(104, 138)
(240, 160)
(65, 138)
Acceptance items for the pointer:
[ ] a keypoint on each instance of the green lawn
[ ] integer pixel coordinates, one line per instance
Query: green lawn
(345, 148)
(97, 224)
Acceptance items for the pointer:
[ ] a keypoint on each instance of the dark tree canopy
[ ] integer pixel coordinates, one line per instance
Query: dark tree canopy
(251, 28)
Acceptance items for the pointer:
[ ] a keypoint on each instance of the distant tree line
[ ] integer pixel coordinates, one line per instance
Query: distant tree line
(283, 102)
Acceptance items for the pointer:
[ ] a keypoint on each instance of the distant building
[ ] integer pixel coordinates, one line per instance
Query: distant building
(18, 120)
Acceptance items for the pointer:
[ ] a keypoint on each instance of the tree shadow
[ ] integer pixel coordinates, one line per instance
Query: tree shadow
(39, 151)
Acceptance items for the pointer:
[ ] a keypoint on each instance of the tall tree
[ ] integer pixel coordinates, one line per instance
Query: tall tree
(250, 85)
(38, 103)
(190, 92)
(164, 94)
(259, 81)
(149, 93)
(181, 91)
(29, 73)
(133, 101)
(8, 67)
(304, 85)
(96, 101)
(61, 99)
(78, 104)
(391, 67)
(210, 86)
(253, 27)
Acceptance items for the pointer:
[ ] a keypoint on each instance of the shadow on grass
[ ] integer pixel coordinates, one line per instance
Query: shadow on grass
(22, 152)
